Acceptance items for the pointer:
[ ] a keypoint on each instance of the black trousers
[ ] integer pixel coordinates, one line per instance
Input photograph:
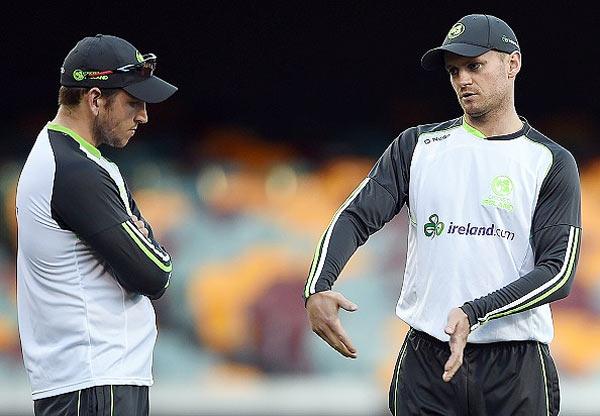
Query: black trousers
(96, 401)
(496, 379)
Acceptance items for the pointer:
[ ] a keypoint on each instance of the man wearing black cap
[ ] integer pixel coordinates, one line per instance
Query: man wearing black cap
(87, 261)
(494, 236)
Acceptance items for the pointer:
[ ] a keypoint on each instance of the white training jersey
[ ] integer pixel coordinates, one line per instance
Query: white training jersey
(84, 271)
(495, 228)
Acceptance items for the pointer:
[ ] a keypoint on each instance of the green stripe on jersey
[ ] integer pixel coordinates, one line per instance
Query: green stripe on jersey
(82, 142)
(473, 130)
(572, 250)
(141, 245)
(321, 252)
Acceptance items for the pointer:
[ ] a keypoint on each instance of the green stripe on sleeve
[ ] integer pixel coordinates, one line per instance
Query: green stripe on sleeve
(321, 252)
(561, 283)
(155, 260)
(313, 266)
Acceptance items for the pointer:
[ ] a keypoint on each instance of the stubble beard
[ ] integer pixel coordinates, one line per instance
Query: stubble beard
(103, 133)
(492, 107)
(485, 107)
(477, 114)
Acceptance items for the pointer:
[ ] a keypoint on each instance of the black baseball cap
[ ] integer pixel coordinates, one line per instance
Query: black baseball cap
(106, 61)
(472, 36)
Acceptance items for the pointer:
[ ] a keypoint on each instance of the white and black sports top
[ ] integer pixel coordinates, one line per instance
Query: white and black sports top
(85, 274)
(495, 228)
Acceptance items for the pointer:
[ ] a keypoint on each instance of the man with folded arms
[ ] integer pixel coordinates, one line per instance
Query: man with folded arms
(88, 263)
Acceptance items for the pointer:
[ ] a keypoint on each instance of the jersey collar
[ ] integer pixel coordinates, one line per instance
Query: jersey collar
(57, 127)
(521, 132)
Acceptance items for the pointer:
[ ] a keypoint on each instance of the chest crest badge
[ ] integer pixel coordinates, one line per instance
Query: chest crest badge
(501, 195)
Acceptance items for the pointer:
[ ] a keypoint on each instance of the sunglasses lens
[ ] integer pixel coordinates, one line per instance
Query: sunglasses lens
(146, 69)
(151, 67)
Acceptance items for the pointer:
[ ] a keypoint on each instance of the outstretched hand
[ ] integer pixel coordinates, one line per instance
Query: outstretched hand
(322, 309)
(458, 328)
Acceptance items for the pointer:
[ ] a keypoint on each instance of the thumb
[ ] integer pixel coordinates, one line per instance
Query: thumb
(346, 304)
(450, 328)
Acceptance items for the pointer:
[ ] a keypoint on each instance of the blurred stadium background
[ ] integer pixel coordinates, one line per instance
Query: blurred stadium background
(281, 111)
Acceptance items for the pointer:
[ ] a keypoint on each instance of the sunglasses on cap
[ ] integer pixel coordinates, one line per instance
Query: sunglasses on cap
(144, 68)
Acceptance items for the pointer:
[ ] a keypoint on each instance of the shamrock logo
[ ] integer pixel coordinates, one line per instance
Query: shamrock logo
(434, 226)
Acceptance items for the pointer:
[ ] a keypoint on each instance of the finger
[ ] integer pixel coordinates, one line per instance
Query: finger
(141, 225)
(450, 327)
(333, 339)
(450, 373)
(134, 218)
(453, 362)
(341, 334)
(451, 367)
(328, 337)
(457, 345)
(346, 304)
(335, 326)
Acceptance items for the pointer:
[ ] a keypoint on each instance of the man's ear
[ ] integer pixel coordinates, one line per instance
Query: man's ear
(514, 64)
(93, 97)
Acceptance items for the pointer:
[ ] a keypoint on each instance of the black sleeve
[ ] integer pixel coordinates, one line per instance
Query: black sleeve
(373, 203)
(555, 240)
(86, 201)
(138, 263)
